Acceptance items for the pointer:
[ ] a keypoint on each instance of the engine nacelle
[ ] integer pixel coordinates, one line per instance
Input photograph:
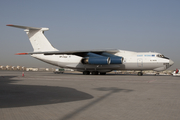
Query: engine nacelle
(116, 60)
(96, 60)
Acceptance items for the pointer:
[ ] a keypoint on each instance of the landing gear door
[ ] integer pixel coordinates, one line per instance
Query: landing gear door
(140, 62)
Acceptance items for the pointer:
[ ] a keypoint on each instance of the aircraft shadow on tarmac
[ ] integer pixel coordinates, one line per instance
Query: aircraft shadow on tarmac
(14, 95)
(109, 90)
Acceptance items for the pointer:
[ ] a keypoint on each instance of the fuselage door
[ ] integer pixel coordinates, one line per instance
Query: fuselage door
(140, 62)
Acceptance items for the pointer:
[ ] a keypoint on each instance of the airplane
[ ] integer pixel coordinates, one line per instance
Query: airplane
(92, 61)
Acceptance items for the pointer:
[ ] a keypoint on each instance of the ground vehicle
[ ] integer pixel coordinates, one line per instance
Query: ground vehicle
(58, 71)
(176, 72)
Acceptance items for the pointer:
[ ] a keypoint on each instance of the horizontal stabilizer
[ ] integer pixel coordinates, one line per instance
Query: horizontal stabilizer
(24, 27)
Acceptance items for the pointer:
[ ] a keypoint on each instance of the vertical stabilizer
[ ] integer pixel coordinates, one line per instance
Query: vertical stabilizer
(36, 36)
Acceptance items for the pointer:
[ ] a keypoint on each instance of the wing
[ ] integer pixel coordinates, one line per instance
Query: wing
(96, 57)
(81, 53)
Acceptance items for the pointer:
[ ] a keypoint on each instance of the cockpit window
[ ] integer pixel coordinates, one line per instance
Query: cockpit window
(159, 55)
(162, 56)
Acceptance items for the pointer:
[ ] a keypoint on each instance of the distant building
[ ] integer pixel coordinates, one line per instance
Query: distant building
(31, 69)
(19, 68)
(42, 69)
(2, 67)
(14, 68)
(8, 67)
(24, 68)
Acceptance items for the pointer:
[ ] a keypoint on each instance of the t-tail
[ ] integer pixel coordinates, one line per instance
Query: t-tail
(36, 36)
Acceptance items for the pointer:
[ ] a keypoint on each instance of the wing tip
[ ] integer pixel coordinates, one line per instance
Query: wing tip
(21, 54)
(9, 25)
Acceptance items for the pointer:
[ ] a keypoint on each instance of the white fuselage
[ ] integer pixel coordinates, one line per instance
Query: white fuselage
(131, 61)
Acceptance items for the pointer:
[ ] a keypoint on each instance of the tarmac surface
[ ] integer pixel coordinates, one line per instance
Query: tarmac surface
(72, 96)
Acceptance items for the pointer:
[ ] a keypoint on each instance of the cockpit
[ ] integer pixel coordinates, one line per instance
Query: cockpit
(161, 56)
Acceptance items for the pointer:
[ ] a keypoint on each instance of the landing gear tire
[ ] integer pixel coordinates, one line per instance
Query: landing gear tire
(157, 74)
(102, 73)
(140, 74)
(94, 72)
(86, 72)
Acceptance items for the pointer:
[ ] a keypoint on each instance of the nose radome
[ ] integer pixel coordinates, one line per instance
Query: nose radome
(171, 62)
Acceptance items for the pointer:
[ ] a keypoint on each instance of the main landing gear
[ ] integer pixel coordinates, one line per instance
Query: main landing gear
(140, 74)
(102, 73)
(93, 73)
(86, 73)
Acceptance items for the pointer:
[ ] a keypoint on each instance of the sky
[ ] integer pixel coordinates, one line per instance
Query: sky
(133, 25)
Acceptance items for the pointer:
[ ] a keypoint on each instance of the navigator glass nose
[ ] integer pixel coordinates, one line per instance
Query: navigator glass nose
(171, 62)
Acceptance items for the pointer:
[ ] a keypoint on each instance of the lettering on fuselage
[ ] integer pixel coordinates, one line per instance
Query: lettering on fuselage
(149, 55)
(63, 56)
(153, 60)
(146, 55)
(139, 55)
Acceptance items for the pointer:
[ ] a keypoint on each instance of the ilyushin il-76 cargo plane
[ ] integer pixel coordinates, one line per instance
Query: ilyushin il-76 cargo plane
(92, 61)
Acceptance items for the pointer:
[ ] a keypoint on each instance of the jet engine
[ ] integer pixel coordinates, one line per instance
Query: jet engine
(116, 60)
(101, 59)
(96, 60)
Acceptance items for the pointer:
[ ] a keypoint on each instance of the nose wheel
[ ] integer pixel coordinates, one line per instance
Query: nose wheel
(140, 74)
